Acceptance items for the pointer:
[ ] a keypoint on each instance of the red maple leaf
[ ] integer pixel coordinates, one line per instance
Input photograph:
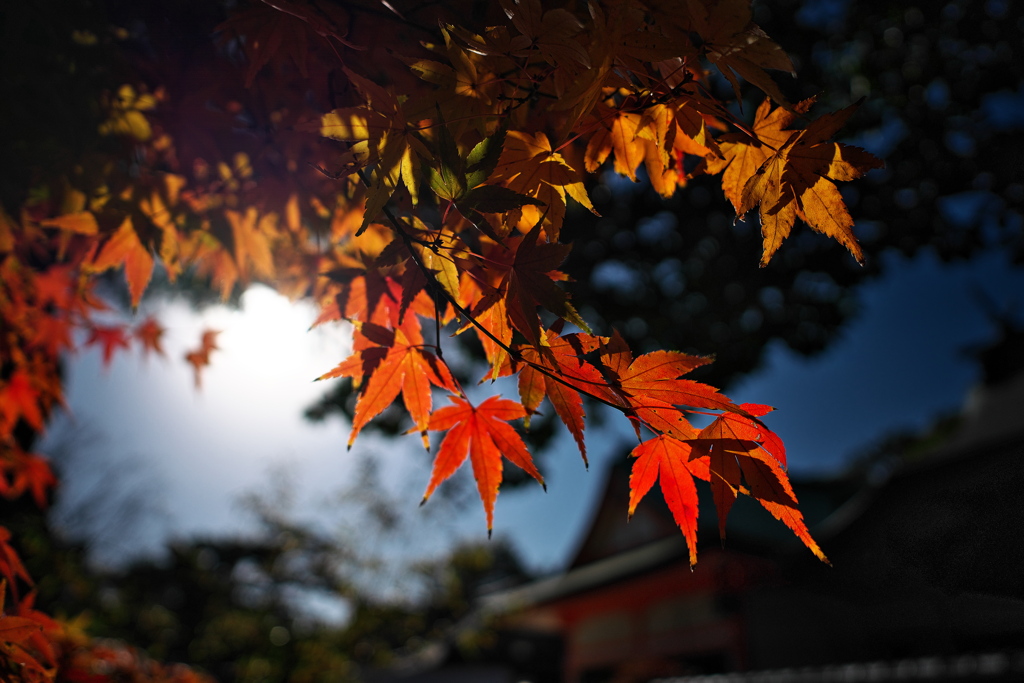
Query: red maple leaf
(17, 630)
(53, 333)
(110, 338)
(670, 462)
(27, 472)
(483, 433)
(55, 286)
(19, 398)
(746, 457)
(10, 566)
(530, 282)
(745, 427)
(558, 369)
(149, 333)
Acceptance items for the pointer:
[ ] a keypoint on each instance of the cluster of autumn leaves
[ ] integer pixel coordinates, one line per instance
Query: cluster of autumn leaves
(436, 193)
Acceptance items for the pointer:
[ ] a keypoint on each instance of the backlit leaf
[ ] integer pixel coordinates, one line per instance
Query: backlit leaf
(483, 433)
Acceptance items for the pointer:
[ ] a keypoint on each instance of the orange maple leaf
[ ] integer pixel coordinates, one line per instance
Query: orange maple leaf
(795, 178)
(487, 307)
(734, 433)
(650, 388)
(368, 296)
(251, 242)
(529, 166)
(125, 248)
(669, 461)
(618, 133)
(742, 154)
(200, 358)
(392, 361)
(483, 433)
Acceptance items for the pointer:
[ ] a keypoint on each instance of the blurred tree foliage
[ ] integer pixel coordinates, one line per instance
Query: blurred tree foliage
(241, 608)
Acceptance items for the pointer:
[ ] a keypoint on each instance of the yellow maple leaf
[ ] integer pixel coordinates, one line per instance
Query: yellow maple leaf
(529, 166)
(794, 177)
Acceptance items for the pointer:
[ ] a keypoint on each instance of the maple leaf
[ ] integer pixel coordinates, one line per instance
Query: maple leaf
(529, 166)
(56, 286)
(110, 338)
(487, 308)
(11, 566)
(79, 222)
(528, 283)
(125, 248)
(149, 333)
(742, 154)
(392, 361)
(467, 74)
(28, 472)
(16, 630)
(199, 358)
(271, 33)
(369, 296)
(618, 132)
(383, 136)
(41, 641)
(557, 369)
(438, 252)
(741, 450)
(483, 433)
(250, 241)
(551, 33)
(650, 387)
(734, 43)
(53, 333)
(19, 398)
(652, 137)
(795, 179)
(728, 435)
(745, 427)
(669, 462)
